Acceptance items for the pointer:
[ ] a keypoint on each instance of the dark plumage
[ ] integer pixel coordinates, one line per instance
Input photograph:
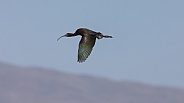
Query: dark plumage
(87, 41)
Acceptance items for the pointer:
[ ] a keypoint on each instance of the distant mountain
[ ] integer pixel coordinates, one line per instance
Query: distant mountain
(34, 85)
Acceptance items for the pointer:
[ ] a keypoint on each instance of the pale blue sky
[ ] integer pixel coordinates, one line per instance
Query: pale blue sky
(147, 46)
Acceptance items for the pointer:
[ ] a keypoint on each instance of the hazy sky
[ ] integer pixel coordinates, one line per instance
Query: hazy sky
(147, 46)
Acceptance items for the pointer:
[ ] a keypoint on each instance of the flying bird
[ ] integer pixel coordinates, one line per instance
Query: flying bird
(87, 41)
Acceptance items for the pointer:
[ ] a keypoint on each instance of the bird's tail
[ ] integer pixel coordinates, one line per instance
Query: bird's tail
(106, 36)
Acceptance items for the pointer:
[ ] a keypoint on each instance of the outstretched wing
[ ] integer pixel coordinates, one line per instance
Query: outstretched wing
(85, 47)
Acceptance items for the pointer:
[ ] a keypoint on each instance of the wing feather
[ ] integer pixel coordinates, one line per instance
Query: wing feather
(85, 48)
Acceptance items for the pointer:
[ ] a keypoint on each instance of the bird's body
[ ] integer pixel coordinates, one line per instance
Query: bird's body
(87, 41)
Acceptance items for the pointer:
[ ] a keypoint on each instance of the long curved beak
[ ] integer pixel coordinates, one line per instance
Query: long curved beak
(60, 37)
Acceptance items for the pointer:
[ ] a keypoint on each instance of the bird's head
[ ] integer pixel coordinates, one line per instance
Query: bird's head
(66, 35)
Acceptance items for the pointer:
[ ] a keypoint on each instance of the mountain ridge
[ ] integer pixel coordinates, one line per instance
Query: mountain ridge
(38, 85)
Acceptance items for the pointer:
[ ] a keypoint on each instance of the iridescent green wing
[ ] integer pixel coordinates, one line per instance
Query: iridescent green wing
(85, 47)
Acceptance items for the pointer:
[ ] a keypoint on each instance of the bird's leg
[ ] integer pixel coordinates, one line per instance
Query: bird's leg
(107, 36)
(100, 35)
